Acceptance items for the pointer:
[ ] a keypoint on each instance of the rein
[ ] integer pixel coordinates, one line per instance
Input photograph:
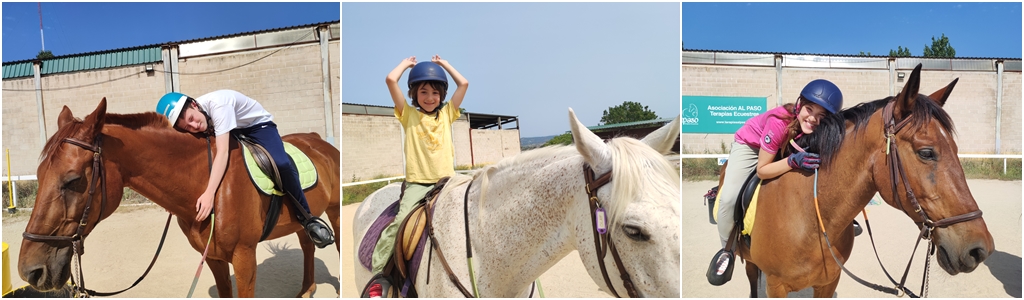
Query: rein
(78, 239)
(896, 172)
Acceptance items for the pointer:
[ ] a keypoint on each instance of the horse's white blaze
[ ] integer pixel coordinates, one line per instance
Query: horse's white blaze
(535, 212)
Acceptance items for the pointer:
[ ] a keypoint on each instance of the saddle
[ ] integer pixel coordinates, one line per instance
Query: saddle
(403, 265)
(746, 204)
(266, 178)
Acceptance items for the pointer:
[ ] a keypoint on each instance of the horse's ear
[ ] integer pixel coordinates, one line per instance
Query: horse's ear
(65, 117)
(942, 94)
(96, 118)
(905, 100)
(664, 138)
(594, 151)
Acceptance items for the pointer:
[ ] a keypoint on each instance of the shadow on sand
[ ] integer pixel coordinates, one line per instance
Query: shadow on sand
(280, 276)
(1006, 267)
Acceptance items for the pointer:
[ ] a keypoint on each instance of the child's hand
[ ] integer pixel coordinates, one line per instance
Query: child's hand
(203, 207)
(409, 62)
(437, 60)
(804, 160)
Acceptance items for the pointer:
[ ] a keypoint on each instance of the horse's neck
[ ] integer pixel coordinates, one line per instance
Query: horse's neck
(527, 221)
(848, 183)
(170, 170)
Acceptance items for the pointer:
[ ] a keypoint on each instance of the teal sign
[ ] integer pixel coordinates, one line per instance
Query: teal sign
(712, 114)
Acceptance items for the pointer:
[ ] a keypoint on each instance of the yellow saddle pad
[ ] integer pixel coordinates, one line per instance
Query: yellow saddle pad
(263, 182)
(748, 219)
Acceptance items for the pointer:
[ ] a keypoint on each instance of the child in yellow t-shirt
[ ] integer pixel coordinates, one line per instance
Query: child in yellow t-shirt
(427, 123)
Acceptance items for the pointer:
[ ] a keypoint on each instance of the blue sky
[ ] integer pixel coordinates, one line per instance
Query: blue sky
(533, 60)
(973, 29)
(71, 28)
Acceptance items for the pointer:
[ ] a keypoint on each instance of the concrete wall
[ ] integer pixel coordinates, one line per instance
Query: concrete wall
(372, 146)
(972, 104)
(288, 83)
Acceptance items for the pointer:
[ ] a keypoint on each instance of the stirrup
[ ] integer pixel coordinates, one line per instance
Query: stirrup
(856, 228)
(716, 274)
(385, 287)
(319, 232)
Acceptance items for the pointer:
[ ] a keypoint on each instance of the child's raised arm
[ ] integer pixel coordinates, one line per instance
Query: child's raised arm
(461, 83)
(392, 81)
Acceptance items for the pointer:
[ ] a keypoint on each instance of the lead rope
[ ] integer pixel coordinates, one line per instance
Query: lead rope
(213, 218)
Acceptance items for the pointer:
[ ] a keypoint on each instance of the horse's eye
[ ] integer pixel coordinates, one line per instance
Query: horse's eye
(927, 154)
(72, 184)
(635, 233)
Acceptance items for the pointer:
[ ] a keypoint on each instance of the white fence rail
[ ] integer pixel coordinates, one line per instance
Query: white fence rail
(721, 157)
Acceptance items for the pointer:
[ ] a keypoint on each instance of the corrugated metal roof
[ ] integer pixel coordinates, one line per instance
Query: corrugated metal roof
(100, 61)
(629, 124)
(15, 70)
(116, 57)
(840, 55)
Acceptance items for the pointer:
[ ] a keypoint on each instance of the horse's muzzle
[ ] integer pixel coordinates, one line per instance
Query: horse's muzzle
(965, 261)
(50, 274)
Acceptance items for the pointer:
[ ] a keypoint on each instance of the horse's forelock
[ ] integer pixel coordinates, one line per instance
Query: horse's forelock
(54, 142)
(636, 169)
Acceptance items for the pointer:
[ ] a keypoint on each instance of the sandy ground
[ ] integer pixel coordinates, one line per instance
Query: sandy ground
(998, 276)
(567, 279)
(121, 247)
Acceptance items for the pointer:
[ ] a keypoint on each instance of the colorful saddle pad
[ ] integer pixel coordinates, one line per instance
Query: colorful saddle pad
(263, 182)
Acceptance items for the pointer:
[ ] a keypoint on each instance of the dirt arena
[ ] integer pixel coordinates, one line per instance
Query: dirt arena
(998, 276)
(121, 247)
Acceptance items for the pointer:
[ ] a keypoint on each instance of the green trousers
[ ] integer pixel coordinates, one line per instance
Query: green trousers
(386, 244)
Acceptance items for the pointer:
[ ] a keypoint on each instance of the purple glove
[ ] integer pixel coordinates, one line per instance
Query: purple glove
(804, 160)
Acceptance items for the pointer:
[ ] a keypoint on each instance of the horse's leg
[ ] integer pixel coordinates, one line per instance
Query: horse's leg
(826, 291)
(222, 276)
(334, 214)
(752, 276)
(244, 261)
(308, 286)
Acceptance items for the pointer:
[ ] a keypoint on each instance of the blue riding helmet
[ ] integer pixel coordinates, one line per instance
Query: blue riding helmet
(425, 71)
(824, 93)
(170, 105)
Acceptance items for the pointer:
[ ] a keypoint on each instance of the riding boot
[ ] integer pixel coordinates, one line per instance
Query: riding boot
(319, 232)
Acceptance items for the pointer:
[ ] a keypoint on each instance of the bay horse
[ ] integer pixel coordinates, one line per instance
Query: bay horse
(141, 151)
(787, 244)
(527, 212)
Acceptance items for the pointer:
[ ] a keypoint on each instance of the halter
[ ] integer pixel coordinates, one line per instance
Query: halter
(603, 245)
(77, 240)
(927, 225)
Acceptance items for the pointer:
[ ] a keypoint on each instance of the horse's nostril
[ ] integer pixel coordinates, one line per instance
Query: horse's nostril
(979, 254)
(34, 275)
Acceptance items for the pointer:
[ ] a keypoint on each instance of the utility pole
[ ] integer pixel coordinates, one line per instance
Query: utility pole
(40, 5)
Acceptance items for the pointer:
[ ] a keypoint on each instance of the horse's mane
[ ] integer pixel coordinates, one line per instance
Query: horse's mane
(138, 121)
(632, 164)
(831, 132)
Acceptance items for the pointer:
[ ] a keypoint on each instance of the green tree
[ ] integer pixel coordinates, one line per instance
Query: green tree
(561, 139)
(628, 111)
(44, 54)
(939, 48)
(900, 52)
(862, 53)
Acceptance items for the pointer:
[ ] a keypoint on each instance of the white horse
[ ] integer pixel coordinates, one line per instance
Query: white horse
(534, 211)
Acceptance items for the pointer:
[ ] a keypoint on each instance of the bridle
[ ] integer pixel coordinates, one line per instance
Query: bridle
(77, 240)
(599, 220)
(897, 173)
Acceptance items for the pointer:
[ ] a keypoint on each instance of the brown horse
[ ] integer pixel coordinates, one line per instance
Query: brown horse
(143, 152)
(787, 244)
